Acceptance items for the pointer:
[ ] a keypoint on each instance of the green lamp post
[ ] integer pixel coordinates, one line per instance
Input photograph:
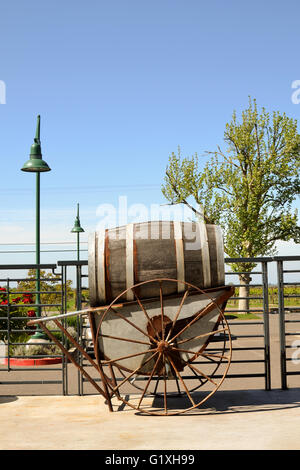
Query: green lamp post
(77, 229)
(37, 165)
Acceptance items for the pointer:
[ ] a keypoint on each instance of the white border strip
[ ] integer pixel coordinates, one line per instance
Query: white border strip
(220, 255)
(178, 237)
(205, 254)
(101, 266)
(129, 261)
(92, 267)
(3, 352)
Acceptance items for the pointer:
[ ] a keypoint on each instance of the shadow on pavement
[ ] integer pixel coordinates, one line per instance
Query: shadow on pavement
(235, 401)
(7, 399)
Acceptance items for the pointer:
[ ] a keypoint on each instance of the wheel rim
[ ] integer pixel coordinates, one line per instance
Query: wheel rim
(163, 337)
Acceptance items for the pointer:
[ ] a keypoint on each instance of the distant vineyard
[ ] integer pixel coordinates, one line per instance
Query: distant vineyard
(291, 297)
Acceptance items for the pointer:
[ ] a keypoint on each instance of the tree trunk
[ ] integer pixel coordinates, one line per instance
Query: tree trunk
(244, 291)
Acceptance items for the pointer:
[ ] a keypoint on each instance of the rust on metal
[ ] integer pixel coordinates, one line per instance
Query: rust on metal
(83, 371)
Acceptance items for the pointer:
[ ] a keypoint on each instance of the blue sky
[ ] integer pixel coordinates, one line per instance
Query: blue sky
(119, 85)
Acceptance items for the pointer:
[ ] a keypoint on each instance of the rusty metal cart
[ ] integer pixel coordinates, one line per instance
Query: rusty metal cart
(164, 355)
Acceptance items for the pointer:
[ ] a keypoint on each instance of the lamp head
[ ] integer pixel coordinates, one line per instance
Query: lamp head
(35, 163)
(77, 227)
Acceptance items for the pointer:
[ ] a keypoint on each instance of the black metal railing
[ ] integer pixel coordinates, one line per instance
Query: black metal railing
(289, 318)
(260, 338)
(14, 332)
(250, 327)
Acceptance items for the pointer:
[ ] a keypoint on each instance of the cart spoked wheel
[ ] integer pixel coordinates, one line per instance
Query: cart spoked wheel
(166, 347)
(214, 360)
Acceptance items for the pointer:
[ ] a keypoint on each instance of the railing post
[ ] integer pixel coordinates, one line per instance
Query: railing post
(266, 325)
(8, 325)
(281, 323)
(78, 287)
(64, 310)
(79, 325)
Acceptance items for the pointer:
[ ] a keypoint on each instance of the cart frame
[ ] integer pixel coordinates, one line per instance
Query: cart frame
(109, 387)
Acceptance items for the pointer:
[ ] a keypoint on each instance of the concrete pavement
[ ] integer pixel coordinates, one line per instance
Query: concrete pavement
(241, 415)
(238, 419)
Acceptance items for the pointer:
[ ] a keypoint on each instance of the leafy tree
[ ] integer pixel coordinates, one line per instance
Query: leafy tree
(51, 287)
(248, 188)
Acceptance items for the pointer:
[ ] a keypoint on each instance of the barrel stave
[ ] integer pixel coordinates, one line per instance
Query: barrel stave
(128, 255)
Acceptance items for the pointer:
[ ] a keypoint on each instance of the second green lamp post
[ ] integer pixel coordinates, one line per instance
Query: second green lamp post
(37, 165)
(77, 229)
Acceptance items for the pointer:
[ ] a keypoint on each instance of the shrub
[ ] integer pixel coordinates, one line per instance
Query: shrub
(37, 350)
(18, 313)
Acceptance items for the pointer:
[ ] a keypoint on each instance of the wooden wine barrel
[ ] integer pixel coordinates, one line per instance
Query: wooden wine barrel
(123, 256)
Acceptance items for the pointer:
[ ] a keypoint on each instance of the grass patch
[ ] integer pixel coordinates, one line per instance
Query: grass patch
(242, 316)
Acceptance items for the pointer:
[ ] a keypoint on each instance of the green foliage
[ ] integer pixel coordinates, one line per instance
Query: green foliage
(14, 315)
(37, 350)
(249, 189)
(52, 287)
(73, 322)
(21, 310)
(291, 293)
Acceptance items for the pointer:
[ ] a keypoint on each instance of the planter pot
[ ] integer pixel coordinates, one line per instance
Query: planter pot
(45, 361)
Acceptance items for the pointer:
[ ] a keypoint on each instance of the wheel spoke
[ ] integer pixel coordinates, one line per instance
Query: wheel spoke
(132, 324)
(156, 385)
(197, 354)
(127, 357)
(186, 351)
(181, 380)
(114, 382)
(124, 339)
(177, 385)
(209, 358)
(202, 313)
(178, 313)
(219, 356)
(165, 387)
(135, 371)
(199, 378)
(201, 373)
(202, 336)
(149, 380)
(145, 312)
(199, 315)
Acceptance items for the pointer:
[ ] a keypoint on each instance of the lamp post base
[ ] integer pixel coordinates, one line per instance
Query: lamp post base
(38, 337)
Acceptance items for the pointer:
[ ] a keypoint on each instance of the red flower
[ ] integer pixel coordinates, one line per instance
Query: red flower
(31, 313)
(27, 298)
(4, 302)
(2, 289)
(27, 294)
